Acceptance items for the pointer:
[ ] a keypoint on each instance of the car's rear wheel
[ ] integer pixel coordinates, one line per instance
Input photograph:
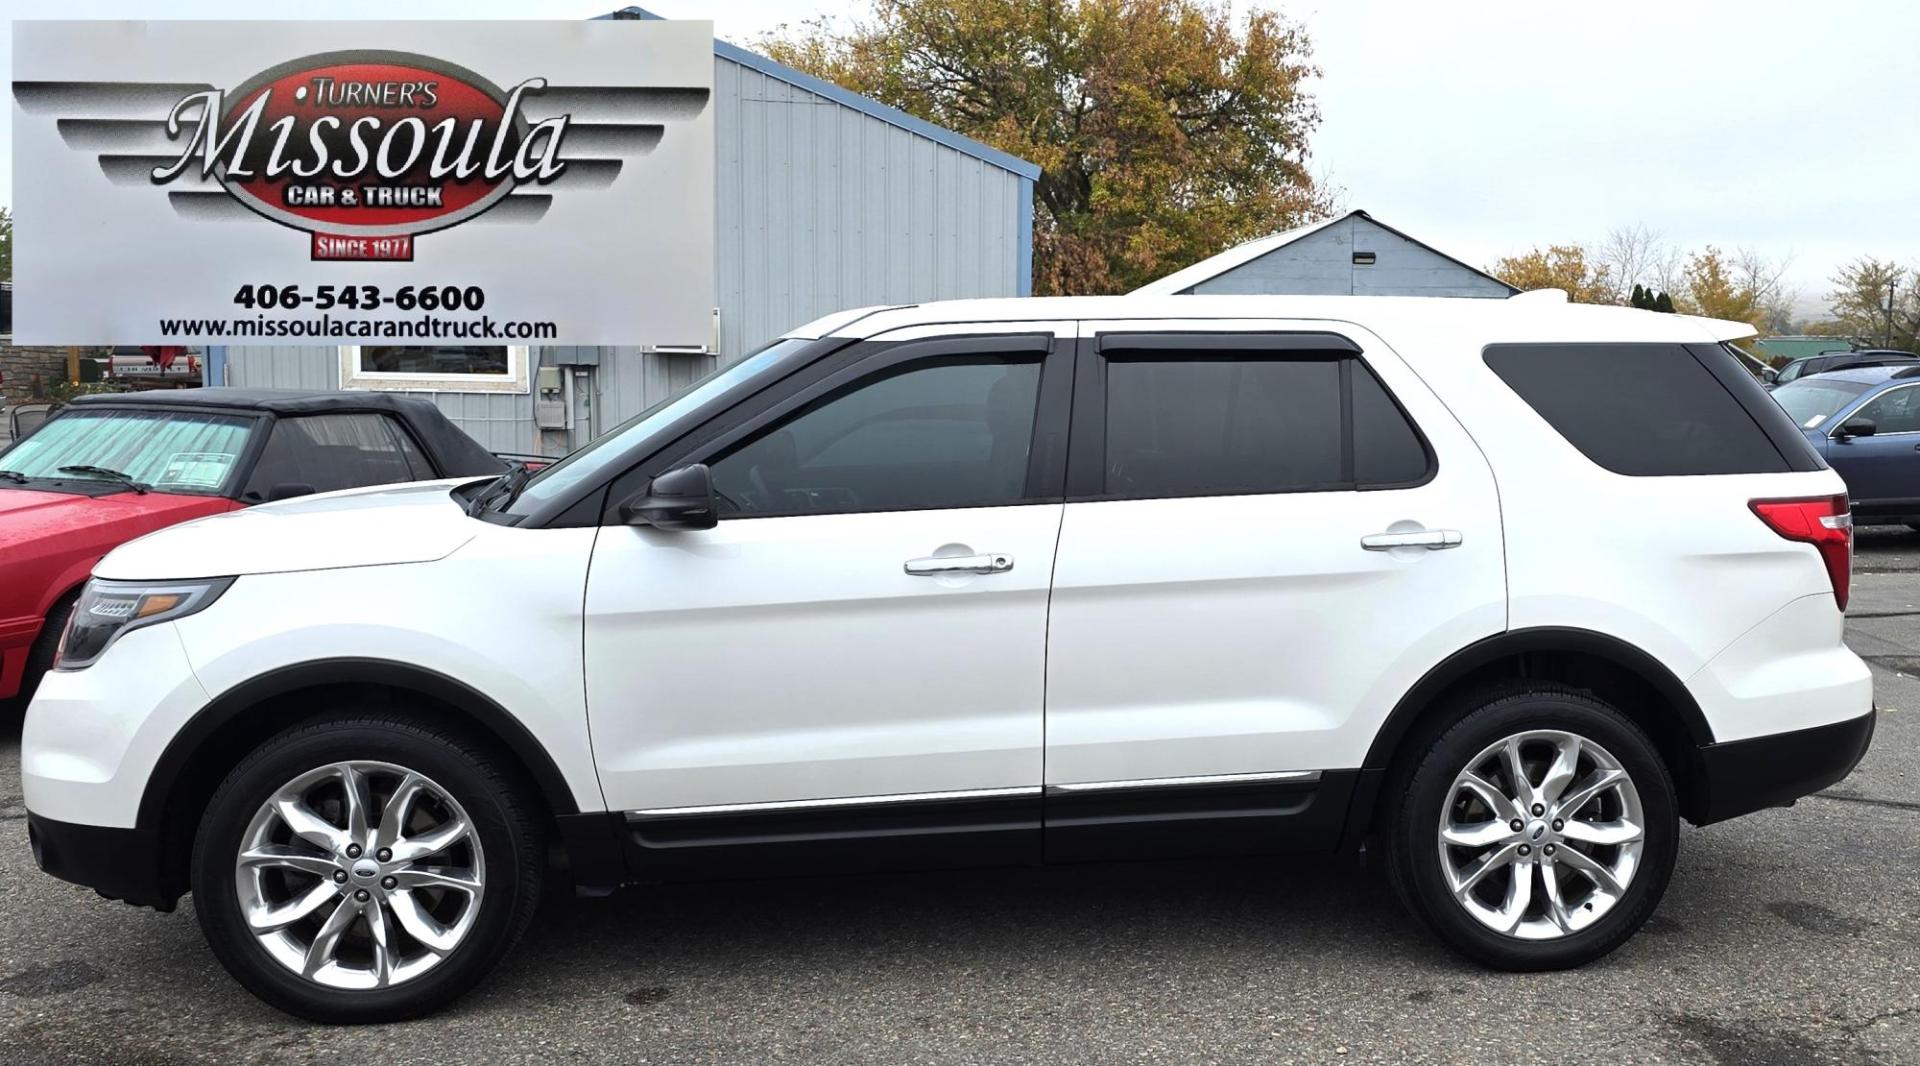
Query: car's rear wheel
(365, 869)
(1538, 832)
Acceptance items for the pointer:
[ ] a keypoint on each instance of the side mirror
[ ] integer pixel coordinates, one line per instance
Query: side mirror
(679, 499)
(287, 490)
(1855, 427)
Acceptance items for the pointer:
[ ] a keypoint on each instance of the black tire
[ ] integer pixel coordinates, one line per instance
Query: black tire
(1424, 788)
(45, 646)
(497, 803)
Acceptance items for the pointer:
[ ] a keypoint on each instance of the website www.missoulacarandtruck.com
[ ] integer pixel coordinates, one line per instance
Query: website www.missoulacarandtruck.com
(424, 327)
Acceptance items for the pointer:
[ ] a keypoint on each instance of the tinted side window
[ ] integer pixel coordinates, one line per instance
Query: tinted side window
(1220, 423)
(1215, 425)
(1387, 450)
(919, 437)
(330, 452)
(1894, 411)
(1638, 409)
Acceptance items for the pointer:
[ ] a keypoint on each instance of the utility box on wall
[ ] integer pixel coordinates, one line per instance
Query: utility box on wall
(550, 404)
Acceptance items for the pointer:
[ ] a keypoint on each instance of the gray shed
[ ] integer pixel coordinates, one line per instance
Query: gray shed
(1351, 255)
(825, 200)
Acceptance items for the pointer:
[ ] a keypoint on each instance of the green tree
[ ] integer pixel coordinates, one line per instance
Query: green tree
(1165, 130)
(1717, 287)
(1648, 300)
(6, 244)
(1861, 290)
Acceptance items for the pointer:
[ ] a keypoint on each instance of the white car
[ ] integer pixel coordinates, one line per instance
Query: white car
(1502, 589)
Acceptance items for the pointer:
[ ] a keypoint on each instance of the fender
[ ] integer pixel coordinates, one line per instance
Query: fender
(1518, 641)
(15, 635)
(68, 583)
(347, 671)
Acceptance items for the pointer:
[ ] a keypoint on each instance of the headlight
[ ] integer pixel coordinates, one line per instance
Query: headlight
(107, 609)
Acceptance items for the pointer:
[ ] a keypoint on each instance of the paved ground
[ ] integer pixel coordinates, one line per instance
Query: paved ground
(1788, 937)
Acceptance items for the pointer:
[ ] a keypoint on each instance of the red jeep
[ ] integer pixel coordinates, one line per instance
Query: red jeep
(111, 468)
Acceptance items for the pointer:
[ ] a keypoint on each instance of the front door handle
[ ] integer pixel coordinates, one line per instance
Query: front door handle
(1430, 539)
(938, 565)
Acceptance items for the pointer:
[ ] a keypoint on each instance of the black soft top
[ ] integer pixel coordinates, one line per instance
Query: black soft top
(452, 451)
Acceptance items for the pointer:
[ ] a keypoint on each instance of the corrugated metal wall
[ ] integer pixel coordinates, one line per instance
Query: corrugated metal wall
(1321, 263)
(628, 382)
(819, 207)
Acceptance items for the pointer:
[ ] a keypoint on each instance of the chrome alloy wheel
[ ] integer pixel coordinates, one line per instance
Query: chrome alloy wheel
(1541, 834)
(359, 875)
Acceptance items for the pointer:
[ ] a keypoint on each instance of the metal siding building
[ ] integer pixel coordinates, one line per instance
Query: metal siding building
(825, 200)
(1353, 255)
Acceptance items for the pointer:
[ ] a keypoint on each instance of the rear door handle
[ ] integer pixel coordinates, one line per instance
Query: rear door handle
(934, 566)
(1430, 539)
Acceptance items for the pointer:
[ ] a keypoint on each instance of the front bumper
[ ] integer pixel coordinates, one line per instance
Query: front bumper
(121, 864)
(1742, 776)
(92, 737)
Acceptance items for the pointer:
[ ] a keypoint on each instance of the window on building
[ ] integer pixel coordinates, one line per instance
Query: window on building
(321, 453)
(933, 436)
(439, 368)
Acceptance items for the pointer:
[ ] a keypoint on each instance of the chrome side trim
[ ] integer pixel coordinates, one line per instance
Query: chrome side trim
(1304, 776)
(839, 801)
(1186, 782)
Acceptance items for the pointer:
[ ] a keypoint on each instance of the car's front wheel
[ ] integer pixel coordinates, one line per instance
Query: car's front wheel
(1538, 832)
(365, 869)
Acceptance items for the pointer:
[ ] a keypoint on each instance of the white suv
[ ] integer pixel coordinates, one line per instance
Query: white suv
(1502, 589)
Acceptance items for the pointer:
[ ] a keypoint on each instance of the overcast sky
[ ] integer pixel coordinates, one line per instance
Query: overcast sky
(1486, 127)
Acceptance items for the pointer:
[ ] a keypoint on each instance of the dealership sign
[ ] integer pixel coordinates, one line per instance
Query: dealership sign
(285, 183)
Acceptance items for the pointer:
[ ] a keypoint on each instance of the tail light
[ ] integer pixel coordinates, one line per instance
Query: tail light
(1822, 521)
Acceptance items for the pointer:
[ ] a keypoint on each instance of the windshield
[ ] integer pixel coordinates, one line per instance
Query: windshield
(1811, 401)
(593, 460)
(171, 451)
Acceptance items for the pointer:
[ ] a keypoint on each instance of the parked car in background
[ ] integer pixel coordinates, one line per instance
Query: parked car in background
(1806, 366)
(1866, 423)
(109, 468)
(1501, 586)
(1762, 371)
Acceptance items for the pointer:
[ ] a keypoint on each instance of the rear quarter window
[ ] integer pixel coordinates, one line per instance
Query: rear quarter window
(1654, 410)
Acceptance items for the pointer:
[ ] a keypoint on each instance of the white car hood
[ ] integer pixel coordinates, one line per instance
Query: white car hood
(387, 524)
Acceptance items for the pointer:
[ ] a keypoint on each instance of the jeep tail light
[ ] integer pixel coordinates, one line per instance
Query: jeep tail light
(1822, 521)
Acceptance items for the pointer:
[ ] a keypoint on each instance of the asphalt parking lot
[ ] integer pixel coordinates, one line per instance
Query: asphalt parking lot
(1788, 937)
